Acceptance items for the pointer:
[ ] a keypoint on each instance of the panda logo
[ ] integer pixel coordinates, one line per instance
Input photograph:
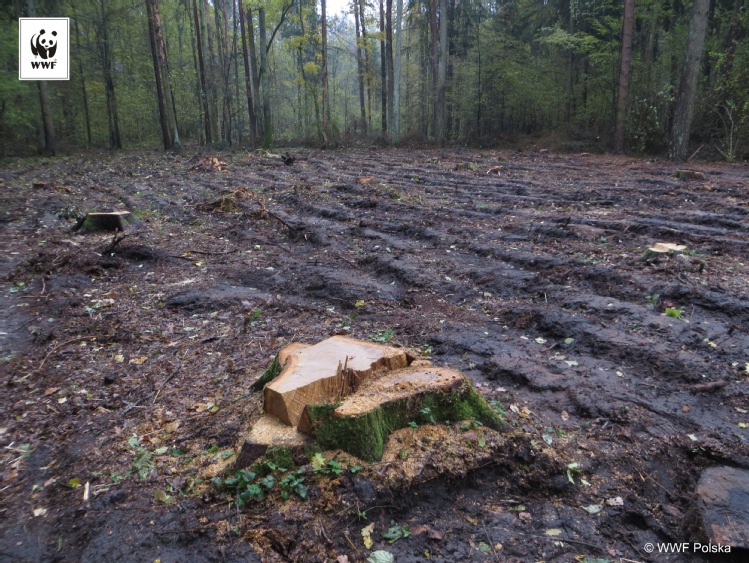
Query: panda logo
(44, 47)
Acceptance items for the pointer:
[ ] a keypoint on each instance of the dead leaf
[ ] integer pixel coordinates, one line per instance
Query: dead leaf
(431, 533)
(495, 170)
(342, 559)
(172, 426)
(51, 391)
(40, 512)
(593, 508)
(365, 180)
(139, 360)
(615, 501)
(565, 416)
(366, 534)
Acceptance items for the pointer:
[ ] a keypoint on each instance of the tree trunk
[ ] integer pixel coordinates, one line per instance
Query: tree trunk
(397, 70)
(83, 77)
(478, 80)
(441, 106)
(383, 71)
(390, 69)
(267, 118)
(166, 137)
(50, 138)
(329, 141)
(105, 51)
(201, 74)
(625, 74)
(360, 66)
(251, 94)
(253, 66)
(435, 62)
(368, 65)
(213, 82)
(689, 78)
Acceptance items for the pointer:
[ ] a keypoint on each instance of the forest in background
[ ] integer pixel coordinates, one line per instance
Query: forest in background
(644, 76)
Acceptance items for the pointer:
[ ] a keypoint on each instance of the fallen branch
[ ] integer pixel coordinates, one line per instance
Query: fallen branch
(264, 211)
(711, 386)
(117, 239)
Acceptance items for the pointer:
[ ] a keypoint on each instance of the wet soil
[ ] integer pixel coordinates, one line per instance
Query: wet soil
(527, 271)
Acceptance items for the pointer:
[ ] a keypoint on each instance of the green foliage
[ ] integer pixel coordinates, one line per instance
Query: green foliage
(652, 301)
(675, 312)
(395, 532)
(527, 68)
(384, 335)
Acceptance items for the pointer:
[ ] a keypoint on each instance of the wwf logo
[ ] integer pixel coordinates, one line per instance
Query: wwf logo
(44, 46)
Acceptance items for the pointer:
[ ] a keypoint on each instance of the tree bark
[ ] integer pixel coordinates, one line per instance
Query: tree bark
(390, 69)
(329, 141)
(689, 78)
(267, 118)
(368, 64)
(383, 72)
(105, 51)
(435, 62)
(201, 74)
(251, 94)
(360, 67)
(165, 136)
(397, 71)
(82, 77)
(625, 74)
(441, 105)
(213, 89)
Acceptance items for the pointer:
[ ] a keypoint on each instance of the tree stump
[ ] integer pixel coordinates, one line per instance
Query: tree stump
(104, 221)
(351, 394)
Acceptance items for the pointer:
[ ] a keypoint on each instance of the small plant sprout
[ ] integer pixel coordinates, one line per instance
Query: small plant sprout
(675, 312)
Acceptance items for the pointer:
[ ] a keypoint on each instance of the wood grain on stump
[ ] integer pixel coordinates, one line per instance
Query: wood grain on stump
(325, 373)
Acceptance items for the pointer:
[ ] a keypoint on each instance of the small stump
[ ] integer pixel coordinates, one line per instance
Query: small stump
(104, 221)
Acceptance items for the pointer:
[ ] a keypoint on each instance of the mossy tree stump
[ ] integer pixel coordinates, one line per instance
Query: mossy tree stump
(104, 221)
(352, 394)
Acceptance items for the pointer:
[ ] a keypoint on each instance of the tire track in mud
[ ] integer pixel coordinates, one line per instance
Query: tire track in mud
(513, 261)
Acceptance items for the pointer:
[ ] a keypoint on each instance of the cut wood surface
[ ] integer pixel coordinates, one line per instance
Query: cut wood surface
(408, 383)
(398, 385)
(326, 372)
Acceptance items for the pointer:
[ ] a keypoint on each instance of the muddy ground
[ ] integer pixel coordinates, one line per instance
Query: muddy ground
(127, 366)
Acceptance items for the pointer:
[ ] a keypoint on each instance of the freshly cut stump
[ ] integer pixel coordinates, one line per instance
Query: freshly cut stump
(351, 394)
(326, 372)
(104, 221)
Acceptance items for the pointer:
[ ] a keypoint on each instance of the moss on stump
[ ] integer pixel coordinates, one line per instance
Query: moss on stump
(361, 424)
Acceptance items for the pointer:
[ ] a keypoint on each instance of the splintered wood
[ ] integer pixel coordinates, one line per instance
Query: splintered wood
(326, 372)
